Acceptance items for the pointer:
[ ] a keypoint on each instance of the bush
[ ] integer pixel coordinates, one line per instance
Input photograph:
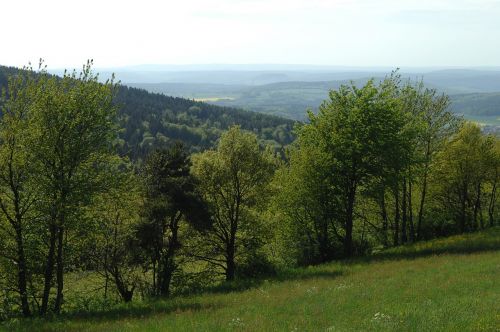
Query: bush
(255, 267)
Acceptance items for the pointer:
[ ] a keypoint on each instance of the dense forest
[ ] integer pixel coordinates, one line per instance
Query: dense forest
(149, 120)
(140, 196)
(153, 120)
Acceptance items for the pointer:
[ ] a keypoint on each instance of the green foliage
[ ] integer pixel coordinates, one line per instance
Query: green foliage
(306, 205)
(359, 135)
(64, 129)
(366, 172)
(108, 240)
(466, 169)
(233, 179)
(18, 192)
(171, 198)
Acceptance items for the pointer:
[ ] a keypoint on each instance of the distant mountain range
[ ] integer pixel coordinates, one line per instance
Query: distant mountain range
(288, 90)
(474, 93)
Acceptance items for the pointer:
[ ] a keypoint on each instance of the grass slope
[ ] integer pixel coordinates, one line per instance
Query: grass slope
(449, 284)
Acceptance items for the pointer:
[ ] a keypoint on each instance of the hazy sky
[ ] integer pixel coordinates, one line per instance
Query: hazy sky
(327, 32)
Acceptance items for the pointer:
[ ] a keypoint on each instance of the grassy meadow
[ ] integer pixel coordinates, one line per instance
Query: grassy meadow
(449, 284)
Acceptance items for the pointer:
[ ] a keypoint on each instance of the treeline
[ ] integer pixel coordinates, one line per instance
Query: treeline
(379, 166)
(384, 165)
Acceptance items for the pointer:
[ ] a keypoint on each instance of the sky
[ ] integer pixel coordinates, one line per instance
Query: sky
(394, 33)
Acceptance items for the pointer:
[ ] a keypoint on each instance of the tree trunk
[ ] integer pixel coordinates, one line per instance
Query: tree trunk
(421, 209)
(396, 215)
(424, 190)
(17, 224)
(230, 253)
(106, 269)
(385, 222)
(59, 270)
(125, 293)
(477, 208)
(21, 276)
(106, 282)
(230, 265)
(404, 237)
(49, 269)
(351, 196)
(463, 212)
(169, 263)
(324, 245)
(491, 206)
(410, 212)
(168, 270)
(231, 245)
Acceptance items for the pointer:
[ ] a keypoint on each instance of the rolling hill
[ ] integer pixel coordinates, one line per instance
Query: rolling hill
(482, 104)
(291, 99)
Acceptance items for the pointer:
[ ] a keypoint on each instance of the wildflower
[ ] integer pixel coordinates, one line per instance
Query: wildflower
(342, 286)
(312, 290)
(236, 322)
(380, 317)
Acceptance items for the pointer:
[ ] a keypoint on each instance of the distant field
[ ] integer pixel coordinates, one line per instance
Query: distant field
(448, 284)
(214, 99)
(490, 120)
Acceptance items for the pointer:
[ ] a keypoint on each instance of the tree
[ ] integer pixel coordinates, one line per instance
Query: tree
(438, 125)
(309, 204)
(462, 169)
(233, 180)
(17, 194)
(358, 129)
(71, 130)
(397, 160)
(171, 196)
(110, 237)
(493, 173)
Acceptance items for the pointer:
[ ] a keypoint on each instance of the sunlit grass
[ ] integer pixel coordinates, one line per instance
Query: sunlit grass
(214, 99)
(450, 284)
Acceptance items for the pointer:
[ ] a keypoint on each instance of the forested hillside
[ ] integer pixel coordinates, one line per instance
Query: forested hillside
(150, 120)
(482, 104)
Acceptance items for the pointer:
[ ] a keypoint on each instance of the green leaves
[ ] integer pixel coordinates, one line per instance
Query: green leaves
(234, 181)
(364, 139)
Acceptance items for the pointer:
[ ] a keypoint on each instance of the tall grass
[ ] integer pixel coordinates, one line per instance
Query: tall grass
(450, 284)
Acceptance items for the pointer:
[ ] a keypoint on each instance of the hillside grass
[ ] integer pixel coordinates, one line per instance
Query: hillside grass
(450, 284)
